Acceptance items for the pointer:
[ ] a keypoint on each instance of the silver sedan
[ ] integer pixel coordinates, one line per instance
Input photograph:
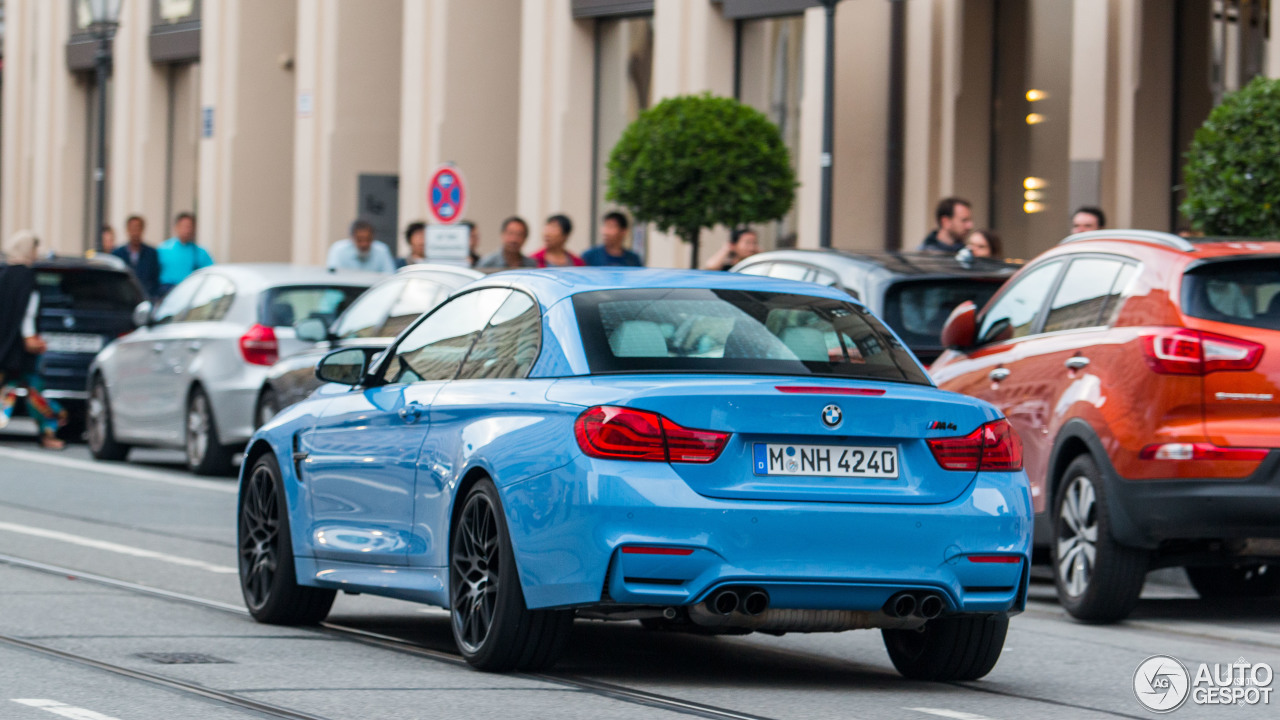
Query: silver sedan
(189, 376)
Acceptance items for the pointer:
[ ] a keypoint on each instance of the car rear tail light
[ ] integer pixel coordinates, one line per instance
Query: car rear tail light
(259, 346)
(619, 433)
(819, 390)
(655, 550)
(1201, 451)
(1000, 559)
(993, 446)
(1179, 351)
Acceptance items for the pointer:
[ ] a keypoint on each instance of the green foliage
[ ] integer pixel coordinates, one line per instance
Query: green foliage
(1232, 173)
(698, 161)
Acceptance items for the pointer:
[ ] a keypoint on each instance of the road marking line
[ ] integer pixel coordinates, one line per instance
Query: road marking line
(116, 548)
(131, 473)
(953, 714)
(67, 711)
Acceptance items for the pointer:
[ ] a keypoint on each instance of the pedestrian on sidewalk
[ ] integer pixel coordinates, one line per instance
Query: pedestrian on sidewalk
(141, 258)
(612, 251)
(416, 237)
(955, 219)
(743, 243)
(20, 343)
(1087, 219)
(180, 255)
(555, 235)
(360, 251)
(514, 232)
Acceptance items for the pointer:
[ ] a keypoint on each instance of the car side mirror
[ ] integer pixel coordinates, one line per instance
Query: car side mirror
(961, 328)
(142, 314)
(311, 330)
(345, 367)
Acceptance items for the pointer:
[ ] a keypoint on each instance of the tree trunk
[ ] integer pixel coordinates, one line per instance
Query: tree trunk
(691, 237)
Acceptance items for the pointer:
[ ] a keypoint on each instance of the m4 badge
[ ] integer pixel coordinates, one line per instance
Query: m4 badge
(941, 425)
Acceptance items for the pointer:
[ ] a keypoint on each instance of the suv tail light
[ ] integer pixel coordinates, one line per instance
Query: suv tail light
(619, 433)
(1179, 351)
(259, 346)
(993, 446)
(1201, 451)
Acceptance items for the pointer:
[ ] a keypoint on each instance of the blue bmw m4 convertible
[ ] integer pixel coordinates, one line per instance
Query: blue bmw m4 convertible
(698, 451)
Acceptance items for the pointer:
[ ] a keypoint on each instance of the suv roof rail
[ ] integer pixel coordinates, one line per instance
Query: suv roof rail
(1151, 237)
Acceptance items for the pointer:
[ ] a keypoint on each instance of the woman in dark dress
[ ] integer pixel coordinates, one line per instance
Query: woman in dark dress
(19, 342)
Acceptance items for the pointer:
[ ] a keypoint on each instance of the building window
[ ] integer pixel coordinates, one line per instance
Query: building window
(1030, 113)
(1239, 44)
(624, 87)
(768, 77)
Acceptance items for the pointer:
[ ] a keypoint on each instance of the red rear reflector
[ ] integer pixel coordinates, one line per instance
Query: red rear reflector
(619, 433)
(993, 446)
(1010, 559)
(259, 346)
(1201, 451)
(818, 390)
(1179, 351)
(649, 550)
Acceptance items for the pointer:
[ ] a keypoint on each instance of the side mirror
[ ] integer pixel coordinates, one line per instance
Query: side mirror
(960, 330)
(345, 367)
(312, 330)
(142, 314)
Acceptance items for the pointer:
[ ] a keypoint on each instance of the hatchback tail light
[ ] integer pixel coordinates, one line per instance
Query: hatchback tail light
(1179, 351)
(259, 346)
(1201, 451)
(618, 433)
(993, 446)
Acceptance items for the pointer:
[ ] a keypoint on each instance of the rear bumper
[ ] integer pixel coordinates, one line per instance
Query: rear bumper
(1146, 513)
(568, 527)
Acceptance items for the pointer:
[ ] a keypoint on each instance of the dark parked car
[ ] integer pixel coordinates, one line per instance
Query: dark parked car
(84, 305)
(373, 320)
(913, 292)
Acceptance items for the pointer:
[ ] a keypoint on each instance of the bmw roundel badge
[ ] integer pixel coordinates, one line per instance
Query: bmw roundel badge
(831, 415)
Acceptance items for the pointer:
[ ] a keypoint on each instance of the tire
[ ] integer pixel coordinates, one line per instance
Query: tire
(76, 426)
(948, 649)
(205, 456)
(268, 406)
(1235, 581)
(268, 580)
(101, 429)
(1098, 580)
(492, 627)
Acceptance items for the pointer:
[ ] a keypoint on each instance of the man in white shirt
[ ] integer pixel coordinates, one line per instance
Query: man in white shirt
(360, 252)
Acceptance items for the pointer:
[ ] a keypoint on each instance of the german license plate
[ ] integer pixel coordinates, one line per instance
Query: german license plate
(825, 460)
(72, 342)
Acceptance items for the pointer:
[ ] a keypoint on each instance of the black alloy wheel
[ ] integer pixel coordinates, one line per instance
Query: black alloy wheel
(267, 576)
(492, 627)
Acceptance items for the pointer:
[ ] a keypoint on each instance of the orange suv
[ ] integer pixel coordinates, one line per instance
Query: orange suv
(1142, 372)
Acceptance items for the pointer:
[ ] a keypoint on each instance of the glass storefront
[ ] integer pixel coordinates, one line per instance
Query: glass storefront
(624, 87)
(769, 78)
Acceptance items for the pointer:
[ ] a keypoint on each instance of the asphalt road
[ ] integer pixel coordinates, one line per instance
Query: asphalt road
(88, 549)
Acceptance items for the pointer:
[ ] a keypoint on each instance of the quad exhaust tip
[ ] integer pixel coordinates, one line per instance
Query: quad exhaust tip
(755, 602)
(723, 602)
(922, 605)
(748, 601)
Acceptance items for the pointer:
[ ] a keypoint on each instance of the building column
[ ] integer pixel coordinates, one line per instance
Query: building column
(44, 130)
(1089, 110)
(348, 115)
(247, 105)
(693, 53)
(138, 128)
(556, 71)
(1273, 43)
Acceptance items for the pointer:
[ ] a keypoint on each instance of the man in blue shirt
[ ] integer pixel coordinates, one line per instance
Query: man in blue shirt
(141, 258)
(180, 255)
(360, 252)
(613, 234)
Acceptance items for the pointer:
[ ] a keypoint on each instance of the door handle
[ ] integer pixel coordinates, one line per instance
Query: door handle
(998, 374)
(1077, 363)
(194, 346)
(412, 412)
(157, 348)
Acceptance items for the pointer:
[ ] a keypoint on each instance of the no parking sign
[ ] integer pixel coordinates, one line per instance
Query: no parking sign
(446, 195)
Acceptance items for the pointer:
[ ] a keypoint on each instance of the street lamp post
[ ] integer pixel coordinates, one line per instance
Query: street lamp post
(105, 16)
(828, 124)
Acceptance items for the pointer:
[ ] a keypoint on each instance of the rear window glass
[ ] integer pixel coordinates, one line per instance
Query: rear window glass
(82, 289)
(735, 331)
(285, 306)
(917, 310)
(1241, 292)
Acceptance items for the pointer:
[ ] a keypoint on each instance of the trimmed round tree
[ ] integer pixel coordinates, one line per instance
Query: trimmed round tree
(698, 161)
(1232, 174)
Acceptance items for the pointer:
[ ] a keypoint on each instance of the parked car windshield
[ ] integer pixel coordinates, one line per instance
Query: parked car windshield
(1241, 292)
(87, 289)
(736, 331)
(285, 306)
(917, 310)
